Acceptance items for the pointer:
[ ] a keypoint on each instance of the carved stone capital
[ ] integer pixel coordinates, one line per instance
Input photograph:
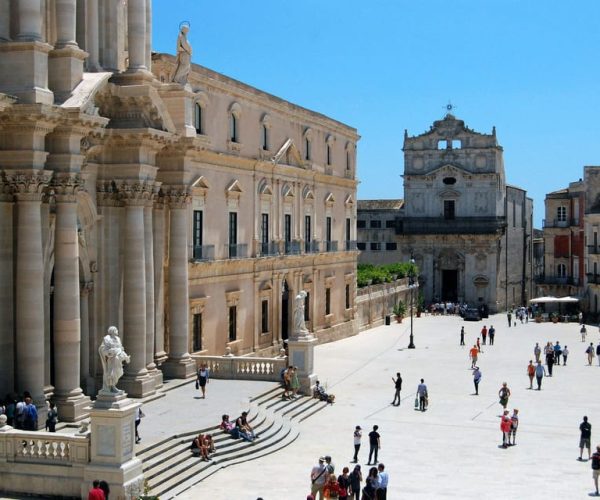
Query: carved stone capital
(107, 194)
(136, 193)
(66, 186)
(27, 185)
(177, 196)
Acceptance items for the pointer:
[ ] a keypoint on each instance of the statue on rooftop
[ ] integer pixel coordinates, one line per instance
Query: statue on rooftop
(184, 55)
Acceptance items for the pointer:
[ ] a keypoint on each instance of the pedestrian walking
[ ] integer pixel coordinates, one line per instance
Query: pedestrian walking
(51, 417)
(318, 477)
(583, 332)
(557, 353)
(357, 440)
(462, 335)
(549, 358)
(478, 344)
(585, 428)
(476, 379)
(398, 387)
(509, 317)
(202, 379)
(514, 426)
(492, 334)
(139, 414)
(531, 373)
(473, 353)
(344, 484)
(598, 353)
(374, 444)
(504, 394)
(505, 424)
(539, 374)
(355, 480)
(423, 396)
(596, 468)
(537, 351)
(565, 355)
(591, 352)
(484, 332)
(382, 485)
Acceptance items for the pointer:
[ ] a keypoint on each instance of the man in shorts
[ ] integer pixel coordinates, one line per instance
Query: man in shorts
(586, 435)
(473, 355)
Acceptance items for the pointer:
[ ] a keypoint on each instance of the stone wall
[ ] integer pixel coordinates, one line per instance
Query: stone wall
(374, 302)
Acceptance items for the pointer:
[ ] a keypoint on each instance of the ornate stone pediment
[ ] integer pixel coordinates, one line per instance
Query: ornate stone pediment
(288, 154)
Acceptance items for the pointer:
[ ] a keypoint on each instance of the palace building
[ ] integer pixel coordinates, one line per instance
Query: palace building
(187, 215)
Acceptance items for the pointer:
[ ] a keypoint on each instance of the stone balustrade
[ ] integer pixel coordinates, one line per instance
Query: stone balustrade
(243, 367)
(44, 447)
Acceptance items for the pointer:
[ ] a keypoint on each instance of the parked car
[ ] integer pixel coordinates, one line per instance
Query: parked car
(472, 314)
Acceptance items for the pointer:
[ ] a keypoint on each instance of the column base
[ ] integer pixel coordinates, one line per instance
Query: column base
(27, 79)
(65, 71)
(72, 408)
(156, 375)
(179, 368)
(160, 358)
(138, 386)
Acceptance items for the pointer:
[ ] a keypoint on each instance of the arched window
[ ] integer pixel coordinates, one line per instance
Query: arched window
(307, 144)
(198, 118)
(233, 128)
(265, 138)
(329, 149)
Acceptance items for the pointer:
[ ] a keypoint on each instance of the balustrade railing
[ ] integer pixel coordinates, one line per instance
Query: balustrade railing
(44, 447)
(242, 367)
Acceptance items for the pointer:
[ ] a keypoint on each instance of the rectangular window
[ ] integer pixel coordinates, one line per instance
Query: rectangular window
(375, 224)
(264, 229)
(348, 229)
(307, 307)
(375, 246)
(198, 233)
(197, 331)
(287, 228)
(265, 316)
(391, 246)
(307, 233)
(232, 234)
(361, 245)
(347, 160)
(361, 224)
(198, 119)
(327, 301)
(232, 323)
(390, 224)
(328, 229)
(347, 296)
(307, 149)
(449, 209)
(561, 214)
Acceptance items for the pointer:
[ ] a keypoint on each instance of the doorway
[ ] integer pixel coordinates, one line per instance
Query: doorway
(285, 293)
(450, 285)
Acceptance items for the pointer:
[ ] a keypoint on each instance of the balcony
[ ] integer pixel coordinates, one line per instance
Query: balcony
(558, 280)
(269, 248)
(291, 247)
(311, 246)
(593, 250)
(203, 252)
(237, 251)
(350, 245)
(593, 279)
(460, 225)
(574, 221)
(330, 246)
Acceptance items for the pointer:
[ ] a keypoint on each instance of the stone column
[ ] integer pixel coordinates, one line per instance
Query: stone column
(149, 268)
(29, 186)
(84, 356)
(30, 20)
(7, 324)
(160, 356)
(65, 23)
(67, 321)
(5, 20)
(136, 381)
(148, 35)
(136, 34)
(179, 364)
(93, 36)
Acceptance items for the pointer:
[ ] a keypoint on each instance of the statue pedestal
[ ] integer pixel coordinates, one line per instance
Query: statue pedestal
(301, 354)
(180, 102)
(112, 456)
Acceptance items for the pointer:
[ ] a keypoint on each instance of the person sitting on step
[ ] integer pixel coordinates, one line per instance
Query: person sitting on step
(319, 393)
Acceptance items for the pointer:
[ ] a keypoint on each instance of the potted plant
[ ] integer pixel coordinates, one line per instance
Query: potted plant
(399, 310)
(538, 318)
(554, 317)
(420, 304)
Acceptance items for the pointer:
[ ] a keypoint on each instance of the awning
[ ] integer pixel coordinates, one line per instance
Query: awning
(549, 300)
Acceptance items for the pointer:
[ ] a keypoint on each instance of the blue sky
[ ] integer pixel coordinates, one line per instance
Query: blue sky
(529, 67)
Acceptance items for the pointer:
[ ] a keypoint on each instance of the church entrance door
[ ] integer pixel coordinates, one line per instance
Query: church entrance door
(450, 285)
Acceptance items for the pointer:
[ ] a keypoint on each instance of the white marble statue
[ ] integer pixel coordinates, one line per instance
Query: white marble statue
(184, 56)
(112, 355)
(299, 323)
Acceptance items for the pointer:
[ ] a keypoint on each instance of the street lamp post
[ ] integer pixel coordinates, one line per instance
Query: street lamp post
(411, 285)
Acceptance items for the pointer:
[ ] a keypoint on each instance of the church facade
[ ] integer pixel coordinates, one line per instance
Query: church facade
(468, 231)
(189, 215)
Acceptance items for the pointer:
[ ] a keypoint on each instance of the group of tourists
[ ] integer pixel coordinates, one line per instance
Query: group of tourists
(241, 429)
(21, 413)
(348, 485)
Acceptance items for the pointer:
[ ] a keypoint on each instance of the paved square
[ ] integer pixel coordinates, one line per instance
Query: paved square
(450, 451)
